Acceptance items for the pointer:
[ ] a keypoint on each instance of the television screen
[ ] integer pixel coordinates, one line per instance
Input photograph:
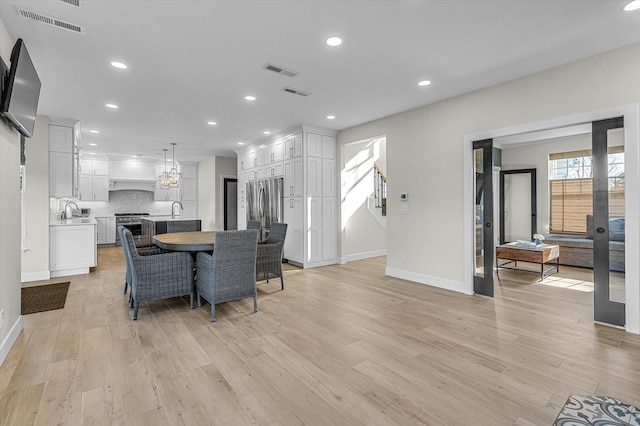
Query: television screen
(21, 92)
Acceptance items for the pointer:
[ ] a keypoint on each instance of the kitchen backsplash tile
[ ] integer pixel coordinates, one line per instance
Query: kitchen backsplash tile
(123, 202)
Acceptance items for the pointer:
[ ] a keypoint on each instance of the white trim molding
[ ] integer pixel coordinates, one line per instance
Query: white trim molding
(11, 338)
(364, 255)
(428, 280)
(35, 276)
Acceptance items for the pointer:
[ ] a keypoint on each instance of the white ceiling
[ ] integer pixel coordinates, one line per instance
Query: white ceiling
(194, 61)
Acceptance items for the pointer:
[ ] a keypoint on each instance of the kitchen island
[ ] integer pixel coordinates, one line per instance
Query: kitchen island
(72, 246)
(154, 225)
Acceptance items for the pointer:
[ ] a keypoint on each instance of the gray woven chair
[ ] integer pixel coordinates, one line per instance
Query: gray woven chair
(142, 251)
(254, 224)
(157, 276)
(269, 257)
(228, 274)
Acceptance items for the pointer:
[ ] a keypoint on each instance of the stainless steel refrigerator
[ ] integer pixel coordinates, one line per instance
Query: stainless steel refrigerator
(265, 202)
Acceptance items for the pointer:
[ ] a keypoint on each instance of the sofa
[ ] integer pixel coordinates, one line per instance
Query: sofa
(577, 250)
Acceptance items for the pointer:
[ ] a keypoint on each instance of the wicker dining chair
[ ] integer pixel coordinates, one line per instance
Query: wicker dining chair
(142, 251)
(228, 274)
(270, 252)
(254, 224)
(157, 276)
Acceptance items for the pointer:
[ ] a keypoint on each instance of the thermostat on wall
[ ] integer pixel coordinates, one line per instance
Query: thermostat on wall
(404, 196)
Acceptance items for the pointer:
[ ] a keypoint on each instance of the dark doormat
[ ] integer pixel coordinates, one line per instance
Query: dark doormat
(44, 298)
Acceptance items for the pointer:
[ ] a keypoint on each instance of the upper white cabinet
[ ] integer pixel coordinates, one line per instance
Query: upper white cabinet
(93, 188)
(132, 170)
(62, 159)
(305, 157)
(94, 167)
(188, 171)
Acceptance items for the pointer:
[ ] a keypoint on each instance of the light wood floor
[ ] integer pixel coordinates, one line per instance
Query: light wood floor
(340, 345)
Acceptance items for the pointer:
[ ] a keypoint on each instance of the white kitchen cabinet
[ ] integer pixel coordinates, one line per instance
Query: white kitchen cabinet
(242, 199)
(93, 188)
(61, 174)
(293, 182)
(294, 218)
(105, 230)
(309, 171)
(61, 139)
(94, 167)
(293, 146)
(72, 249)
(188, 190)
(188, 171)
(190, 209)
(132, 170)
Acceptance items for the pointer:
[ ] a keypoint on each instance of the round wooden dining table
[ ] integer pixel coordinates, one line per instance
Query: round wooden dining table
(185, 241)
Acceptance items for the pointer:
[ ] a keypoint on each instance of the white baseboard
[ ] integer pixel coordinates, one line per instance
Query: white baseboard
(365, 255)
(66, 272)
(35, 276)
(11, 338)
(427, 280)
(342, 261)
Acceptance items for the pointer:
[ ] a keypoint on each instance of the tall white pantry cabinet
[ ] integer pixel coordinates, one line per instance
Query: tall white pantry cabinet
(305, 157)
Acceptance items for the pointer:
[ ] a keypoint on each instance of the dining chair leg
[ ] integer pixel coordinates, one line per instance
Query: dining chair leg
(255, 302)
(213, 312)
(135, 311)
(191, 301)
(199, 301)
(282, 281)
(125, 287)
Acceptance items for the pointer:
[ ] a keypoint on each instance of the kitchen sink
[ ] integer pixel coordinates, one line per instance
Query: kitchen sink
(80, 220)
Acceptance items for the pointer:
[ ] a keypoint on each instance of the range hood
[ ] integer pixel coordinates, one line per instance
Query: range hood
(132, 185)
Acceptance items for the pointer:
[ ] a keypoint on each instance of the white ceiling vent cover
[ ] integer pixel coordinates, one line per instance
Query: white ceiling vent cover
(76, 3)
(39, 17)
(280, 70)
(295, 91)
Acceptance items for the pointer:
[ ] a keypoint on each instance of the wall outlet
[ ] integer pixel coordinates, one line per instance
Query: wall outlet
(404, 209)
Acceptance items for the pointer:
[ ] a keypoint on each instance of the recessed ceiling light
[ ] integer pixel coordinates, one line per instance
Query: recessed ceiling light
(250, 98)
(331, 117)
(92, 153)
(424, 83)
(631, 6)
(94, 131)
(134, 156)
(112, 106)
(118, 65)
(266, 132)
(240, 143)
(93, 144)
(212, 123)
(334, 41)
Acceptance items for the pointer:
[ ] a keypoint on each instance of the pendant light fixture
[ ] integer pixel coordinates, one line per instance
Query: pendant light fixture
(174, 176)
(164, 177)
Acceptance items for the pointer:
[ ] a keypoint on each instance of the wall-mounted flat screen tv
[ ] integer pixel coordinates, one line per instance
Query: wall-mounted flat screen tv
(21, 92)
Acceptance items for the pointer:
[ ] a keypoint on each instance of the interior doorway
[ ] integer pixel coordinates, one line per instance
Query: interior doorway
(526, 134)
(230, 204)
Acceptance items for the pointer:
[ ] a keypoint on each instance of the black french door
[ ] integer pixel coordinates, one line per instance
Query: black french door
(608, 221)
(483, 202)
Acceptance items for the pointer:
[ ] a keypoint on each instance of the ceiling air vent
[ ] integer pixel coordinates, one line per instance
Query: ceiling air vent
(39, 17)
(295, 91)
(281, 70)
(76, 3)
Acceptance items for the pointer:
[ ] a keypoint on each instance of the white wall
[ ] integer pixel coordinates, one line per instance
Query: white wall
(425, 153)
(225, 166)
(35, 261)
(209, 196)
(362, 235)
(207, 193)
(9, 222)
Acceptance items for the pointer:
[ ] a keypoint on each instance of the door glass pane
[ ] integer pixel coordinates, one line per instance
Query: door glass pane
(478, 194)
(616, 168)
(517, 207)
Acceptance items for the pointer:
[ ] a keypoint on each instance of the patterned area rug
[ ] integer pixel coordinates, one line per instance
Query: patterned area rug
(44, 298)
(580, 410)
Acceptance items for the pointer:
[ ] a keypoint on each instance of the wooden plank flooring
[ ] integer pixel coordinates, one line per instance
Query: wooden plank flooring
(341, 345)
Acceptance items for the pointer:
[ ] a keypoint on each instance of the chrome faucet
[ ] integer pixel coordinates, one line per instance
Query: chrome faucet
(173, 210)
(68, 214)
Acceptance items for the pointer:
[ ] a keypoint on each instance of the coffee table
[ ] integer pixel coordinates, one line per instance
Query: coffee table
(543, 254)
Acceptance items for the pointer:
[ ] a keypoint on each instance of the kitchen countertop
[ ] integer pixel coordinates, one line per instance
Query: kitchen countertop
(167, 218)
(74, 222)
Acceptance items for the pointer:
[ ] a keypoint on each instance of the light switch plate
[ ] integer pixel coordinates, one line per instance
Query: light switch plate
(404, 209)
